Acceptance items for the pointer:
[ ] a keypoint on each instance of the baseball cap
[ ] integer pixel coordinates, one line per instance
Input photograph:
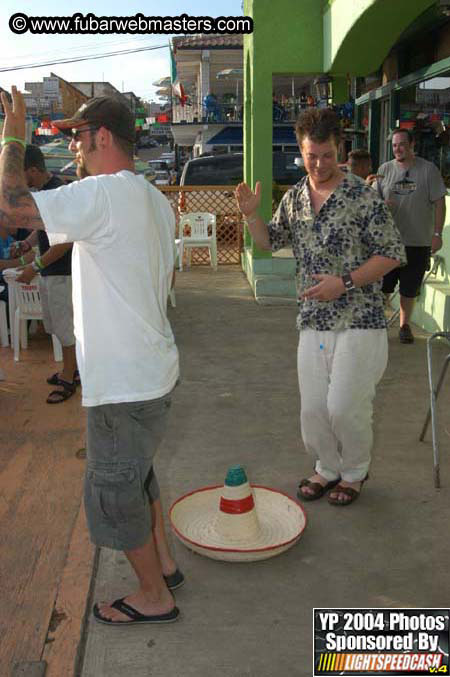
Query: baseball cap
(104, 111)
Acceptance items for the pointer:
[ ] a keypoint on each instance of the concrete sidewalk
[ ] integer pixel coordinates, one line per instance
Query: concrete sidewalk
(238, 403)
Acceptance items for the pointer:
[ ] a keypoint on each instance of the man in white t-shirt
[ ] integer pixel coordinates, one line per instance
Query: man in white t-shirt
(123, 231)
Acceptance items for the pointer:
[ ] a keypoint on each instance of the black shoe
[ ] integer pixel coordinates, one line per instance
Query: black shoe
(405, 334)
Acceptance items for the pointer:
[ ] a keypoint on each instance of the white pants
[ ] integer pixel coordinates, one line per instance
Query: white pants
(338, 372)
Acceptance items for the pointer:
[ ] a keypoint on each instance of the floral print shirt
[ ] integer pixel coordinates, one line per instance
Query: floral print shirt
(352, 225)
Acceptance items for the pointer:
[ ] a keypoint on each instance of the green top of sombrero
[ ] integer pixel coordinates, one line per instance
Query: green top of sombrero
(235, 476)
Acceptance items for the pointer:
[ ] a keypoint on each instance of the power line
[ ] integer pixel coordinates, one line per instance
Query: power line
(86, 47)
(82, 58)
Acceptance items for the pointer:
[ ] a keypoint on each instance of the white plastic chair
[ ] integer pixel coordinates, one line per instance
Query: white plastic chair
(28, 307)
(198, 222)
(4, 339)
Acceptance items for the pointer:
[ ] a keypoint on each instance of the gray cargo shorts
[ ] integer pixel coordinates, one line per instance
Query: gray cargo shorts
(120, 483)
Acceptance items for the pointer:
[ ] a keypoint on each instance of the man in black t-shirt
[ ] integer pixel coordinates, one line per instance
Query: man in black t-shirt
(54, 266)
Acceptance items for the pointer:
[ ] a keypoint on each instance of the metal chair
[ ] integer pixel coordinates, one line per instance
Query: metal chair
(199, 224)
(434, 392)
(28, 307)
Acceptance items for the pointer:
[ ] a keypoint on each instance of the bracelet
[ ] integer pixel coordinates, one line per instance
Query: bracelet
(22, 260)
(13, 139)
(38, 262)
(436, 234)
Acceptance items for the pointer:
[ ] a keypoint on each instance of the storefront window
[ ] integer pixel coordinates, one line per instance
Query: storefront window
(424, 108)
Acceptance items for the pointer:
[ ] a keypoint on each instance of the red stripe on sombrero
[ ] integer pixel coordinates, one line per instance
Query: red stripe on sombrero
(237, 506)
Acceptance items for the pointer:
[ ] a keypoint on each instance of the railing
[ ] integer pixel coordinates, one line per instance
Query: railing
(221, 113)
(218, 200)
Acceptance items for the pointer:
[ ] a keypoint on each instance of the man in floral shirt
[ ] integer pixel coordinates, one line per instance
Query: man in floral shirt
(344, 241)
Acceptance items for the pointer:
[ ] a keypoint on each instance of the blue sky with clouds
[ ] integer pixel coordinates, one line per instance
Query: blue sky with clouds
(133, 72)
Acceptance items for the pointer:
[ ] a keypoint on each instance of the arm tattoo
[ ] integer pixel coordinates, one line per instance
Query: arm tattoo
(17, 207)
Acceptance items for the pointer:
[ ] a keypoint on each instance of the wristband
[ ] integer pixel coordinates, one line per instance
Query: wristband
(436, 234)
(13, 139)
(38, 262)
(22, 260)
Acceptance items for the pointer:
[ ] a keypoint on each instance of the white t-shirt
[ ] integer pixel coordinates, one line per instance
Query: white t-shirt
(122, 264)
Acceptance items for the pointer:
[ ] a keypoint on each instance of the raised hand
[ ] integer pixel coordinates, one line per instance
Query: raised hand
(248, 201)
(14, 124)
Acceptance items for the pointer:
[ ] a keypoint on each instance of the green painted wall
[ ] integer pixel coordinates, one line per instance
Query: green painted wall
(358, 34)
(287, 39)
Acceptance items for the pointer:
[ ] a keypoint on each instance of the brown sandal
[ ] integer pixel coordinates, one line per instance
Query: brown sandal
(348, 491)
(318, 489)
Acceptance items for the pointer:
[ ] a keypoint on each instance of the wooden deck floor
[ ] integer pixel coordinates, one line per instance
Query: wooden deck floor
(40, 493)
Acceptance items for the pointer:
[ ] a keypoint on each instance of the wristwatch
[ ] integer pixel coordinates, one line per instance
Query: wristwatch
(348, 282)
(436, 234)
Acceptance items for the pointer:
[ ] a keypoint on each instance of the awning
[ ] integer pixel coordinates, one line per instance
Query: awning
(232, 136)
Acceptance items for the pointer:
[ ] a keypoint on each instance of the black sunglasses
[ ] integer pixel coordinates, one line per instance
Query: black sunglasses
(75, 133)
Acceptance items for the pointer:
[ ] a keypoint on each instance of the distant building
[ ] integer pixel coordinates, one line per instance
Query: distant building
(53, 97)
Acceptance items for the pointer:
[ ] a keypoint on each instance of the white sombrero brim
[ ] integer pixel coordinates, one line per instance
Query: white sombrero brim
(194, 519)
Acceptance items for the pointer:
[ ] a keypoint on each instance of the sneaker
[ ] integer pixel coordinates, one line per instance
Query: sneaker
(405, 334)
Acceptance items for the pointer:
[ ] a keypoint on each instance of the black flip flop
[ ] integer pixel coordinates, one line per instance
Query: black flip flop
(58, 396)
(175, 580)
(54, 380)
(134, 615)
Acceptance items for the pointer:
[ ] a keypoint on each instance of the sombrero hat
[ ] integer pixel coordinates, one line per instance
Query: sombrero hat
(237, 522)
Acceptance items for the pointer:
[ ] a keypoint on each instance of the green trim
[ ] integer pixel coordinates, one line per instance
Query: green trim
(425, 73)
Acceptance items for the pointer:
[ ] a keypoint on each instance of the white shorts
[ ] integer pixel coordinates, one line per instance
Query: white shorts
(57, 309)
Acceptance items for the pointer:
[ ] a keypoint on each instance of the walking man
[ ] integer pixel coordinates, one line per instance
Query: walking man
(123, 231)
(415, 192)
(344, 241)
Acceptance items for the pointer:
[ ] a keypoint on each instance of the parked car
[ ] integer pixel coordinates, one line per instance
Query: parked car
(158, 165)
(147, 142)
(169, 158)
(161, 178)
(227, 169)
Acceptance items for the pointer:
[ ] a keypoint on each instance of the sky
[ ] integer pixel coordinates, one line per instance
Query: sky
(132, 72)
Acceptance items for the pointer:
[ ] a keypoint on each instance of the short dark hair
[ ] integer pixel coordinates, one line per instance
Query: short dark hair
(402, 130)
(318, 124)
(360, 155)
(34, 158)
